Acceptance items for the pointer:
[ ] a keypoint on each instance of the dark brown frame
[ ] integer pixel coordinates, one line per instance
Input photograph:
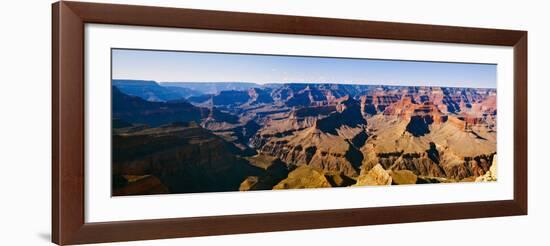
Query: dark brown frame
(68, 224)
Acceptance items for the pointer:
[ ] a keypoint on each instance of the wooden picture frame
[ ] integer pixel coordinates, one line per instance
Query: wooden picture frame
(68, 223)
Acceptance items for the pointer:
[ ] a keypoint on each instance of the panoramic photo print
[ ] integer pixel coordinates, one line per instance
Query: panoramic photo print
(188, 122)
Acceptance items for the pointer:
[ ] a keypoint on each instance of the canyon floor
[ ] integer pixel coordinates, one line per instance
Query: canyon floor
(222, 136)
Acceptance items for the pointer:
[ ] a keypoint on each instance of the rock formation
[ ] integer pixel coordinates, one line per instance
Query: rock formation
(304, 177)
(402, 177)
(376, 176)
(243, 136)
(490, 175)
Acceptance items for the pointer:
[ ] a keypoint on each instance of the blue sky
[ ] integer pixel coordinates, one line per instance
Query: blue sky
(175, 66)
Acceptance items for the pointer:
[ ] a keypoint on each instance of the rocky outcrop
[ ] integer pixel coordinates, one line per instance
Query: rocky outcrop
(255, 183)
(275, 171)
(403, 177)
(339, 180)
(491, 174)
(376, 176)
(304, 177)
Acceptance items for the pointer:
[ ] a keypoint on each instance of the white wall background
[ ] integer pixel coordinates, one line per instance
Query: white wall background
(25, 141)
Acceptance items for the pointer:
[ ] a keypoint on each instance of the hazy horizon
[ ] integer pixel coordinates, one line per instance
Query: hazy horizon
(197, 67)
(329, 83)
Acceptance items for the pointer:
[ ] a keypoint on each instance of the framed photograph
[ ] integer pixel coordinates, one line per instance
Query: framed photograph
(174, 122)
